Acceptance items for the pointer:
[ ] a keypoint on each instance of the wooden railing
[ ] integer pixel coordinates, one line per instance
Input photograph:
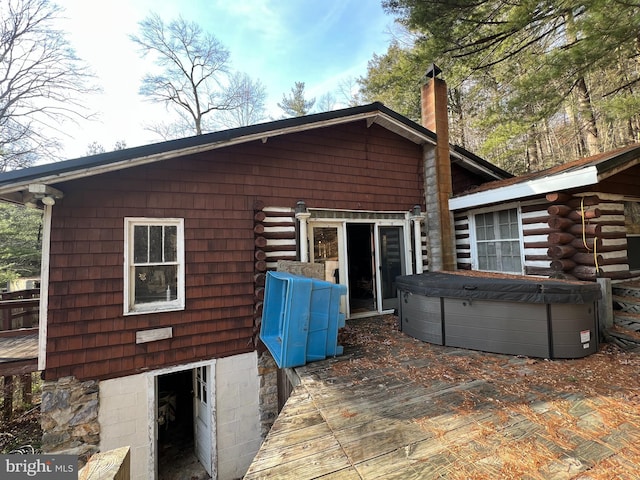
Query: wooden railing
(19, 313)
(19, 309)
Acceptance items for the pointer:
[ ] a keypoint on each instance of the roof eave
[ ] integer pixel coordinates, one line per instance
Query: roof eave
(536, 187)
(618, 164)
(372, 115)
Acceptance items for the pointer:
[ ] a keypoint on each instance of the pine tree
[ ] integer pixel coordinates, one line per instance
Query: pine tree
(295, 104)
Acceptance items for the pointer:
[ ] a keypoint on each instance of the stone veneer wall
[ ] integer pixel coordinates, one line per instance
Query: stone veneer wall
(268, 404)
(69, 417)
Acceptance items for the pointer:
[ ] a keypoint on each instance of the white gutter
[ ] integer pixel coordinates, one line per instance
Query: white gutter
(539, 186)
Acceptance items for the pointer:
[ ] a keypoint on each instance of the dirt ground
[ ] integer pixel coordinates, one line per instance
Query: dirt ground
(22, 432)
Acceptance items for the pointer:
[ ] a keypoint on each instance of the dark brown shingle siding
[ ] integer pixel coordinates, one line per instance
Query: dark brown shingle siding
(346, 167)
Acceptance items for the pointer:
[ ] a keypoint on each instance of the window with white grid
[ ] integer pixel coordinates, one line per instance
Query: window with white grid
(154, 265)
(497, 241)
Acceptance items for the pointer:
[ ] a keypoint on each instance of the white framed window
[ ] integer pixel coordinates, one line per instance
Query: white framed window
(153, 265)
(496, 241)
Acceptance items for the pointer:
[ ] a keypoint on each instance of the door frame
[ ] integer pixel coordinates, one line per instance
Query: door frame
(152, 398)
(209, 384)
(339, 219)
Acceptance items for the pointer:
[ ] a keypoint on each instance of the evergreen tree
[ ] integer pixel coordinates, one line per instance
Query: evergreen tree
(20, 240)
(533, 83)
(295, 104)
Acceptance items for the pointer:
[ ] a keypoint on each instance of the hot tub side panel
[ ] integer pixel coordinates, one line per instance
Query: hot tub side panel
(421, 317)
(574, 330)
(510, 328)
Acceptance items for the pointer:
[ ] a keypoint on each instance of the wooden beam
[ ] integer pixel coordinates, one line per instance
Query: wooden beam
(7, 395)
(20, 367)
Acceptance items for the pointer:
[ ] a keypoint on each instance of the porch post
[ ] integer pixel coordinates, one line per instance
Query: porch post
(44, 287)
(417, 243)
(302, 217)
(416, 215)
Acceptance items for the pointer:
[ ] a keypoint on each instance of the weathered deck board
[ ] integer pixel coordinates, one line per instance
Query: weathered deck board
(293, 450)
(318, 462)
(299, 437)
(18, 353)
(353, 418)
(303, 420)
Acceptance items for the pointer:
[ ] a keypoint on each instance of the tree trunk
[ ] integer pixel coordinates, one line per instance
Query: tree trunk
(578, 143)
(588, 128)
(587, 119)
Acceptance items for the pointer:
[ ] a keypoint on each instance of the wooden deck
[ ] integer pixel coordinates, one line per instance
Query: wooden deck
(394, 407)
(18, 351)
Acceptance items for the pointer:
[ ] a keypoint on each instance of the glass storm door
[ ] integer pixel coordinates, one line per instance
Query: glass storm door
(326, 250)
(391, 263)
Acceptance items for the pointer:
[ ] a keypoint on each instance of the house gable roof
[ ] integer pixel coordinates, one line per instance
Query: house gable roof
(18, 180)
(579, 173)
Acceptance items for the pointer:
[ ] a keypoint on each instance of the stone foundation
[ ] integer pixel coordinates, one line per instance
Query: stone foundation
(70, 417)
(268, 406)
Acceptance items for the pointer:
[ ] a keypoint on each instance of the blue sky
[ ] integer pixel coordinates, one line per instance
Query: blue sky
(279, 42)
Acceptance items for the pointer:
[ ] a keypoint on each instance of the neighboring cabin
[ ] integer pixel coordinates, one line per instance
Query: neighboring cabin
(154, 261)
(576, 220)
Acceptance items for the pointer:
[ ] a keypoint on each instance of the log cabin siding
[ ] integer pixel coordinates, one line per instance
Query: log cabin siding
(345, 167)
(463, 241)
(535, 233)
(625, 183)
(556, 243)
(596, 246)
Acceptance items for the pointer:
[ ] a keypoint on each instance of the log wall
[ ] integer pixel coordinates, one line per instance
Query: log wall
(535, 232)
(424, 249)
(590, 238)
(558, 243)
(463, 241)
(275, 239)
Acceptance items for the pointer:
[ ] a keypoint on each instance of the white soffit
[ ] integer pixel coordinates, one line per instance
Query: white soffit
(539, 186)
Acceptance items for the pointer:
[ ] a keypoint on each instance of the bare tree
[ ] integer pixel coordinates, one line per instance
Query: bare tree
(252, 95)
(349, 91)
(327, 102)
(193, 79)
(41, 80)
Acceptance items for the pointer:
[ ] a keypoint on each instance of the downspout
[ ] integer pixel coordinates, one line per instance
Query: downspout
(44, 287)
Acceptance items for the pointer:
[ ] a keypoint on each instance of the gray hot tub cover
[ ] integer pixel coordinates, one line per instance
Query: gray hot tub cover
(496, 287)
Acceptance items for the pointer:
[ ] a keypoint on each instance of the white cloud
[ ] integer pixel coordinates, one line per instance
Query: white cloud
(277, 41)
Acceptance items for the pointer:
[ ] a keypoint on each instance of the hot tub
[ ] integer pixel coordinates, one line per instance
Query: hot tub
(509, 314)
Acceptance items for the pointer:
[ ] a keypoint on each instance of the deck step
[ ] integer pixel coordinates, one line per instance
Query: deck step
(627, 289)
(627, 304)
(627, 319)
(626, 342)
